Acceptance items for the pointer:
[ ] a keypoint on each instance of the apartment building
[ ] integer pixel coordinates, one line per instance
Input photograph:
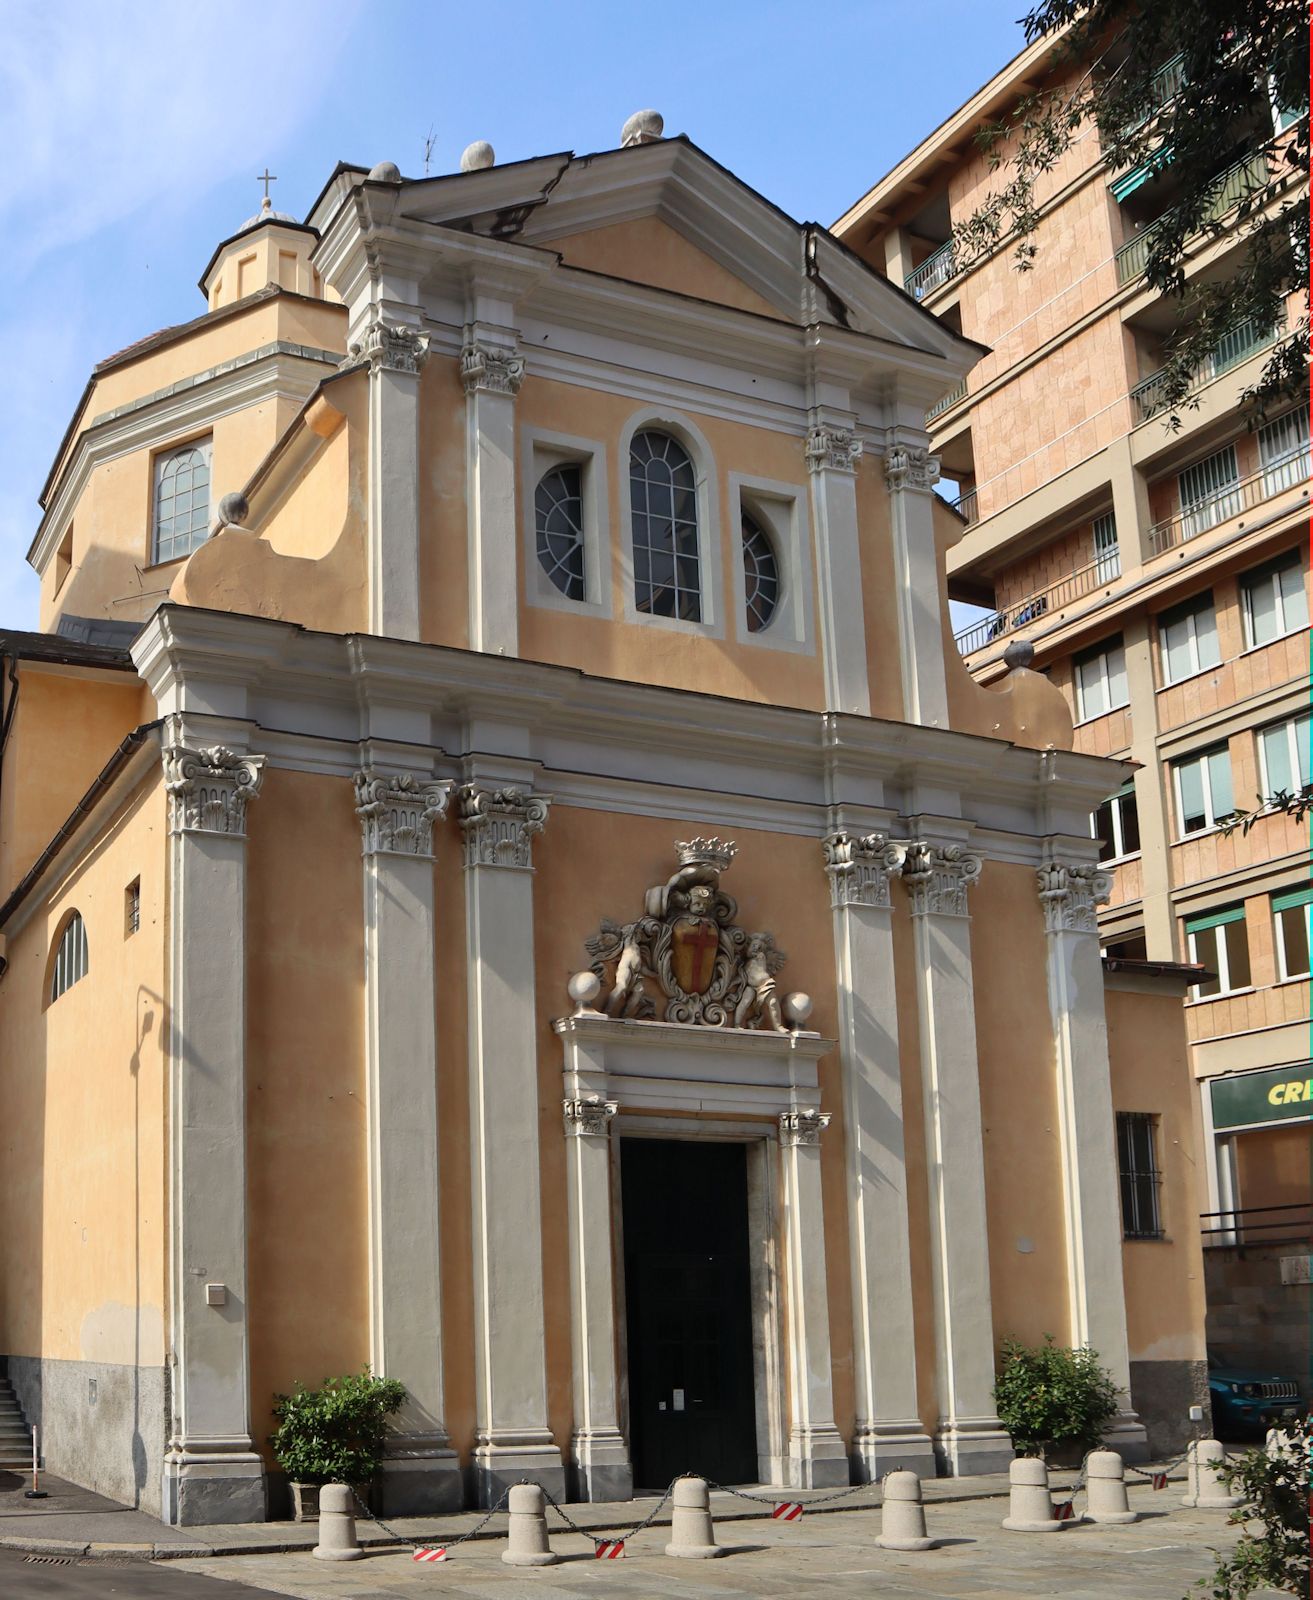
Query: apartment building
(1161, 577)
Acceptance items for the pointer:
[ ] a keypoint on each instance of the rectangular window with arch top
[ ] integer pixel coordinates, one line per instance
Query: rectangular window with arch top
(181, 501)
(1141, 1181)
(1219, 940)
(1204, 796)
(1290, 912)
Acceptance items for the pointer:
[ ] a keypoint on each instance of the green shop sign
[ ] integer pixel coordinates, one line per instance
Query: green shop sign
(1281, 1094)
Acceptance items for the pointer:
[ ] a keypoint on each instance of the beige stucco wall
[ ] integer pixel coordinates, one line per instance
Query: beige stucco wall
(82, 1094)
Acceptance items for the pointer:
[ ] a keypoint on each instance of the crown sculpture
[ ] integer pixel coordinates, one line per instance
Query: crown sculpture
(709, 971)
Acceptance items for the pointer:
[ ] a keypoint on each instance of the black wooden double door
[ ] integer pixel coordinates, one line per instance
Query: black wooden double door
(688, 1310)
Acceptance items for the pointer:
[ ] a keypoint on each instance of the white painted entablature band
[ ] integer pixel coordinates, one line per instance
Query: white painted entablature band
(391, 348)
(1071, 894)
(495, 371)
(909, 467)
(397, 813)
(589, 1118)
(209, 788)
(938, 877)
(835, 448)
(802, 1127)
(499, 825)
(859, 867)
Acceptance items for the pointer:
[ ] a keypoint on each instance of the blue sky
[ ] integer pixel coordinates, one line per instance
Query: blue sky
(135, 129)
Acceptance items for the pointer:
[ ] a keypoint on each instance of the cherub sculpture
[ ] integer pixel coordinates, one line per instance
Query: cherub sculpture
(624, 946)
(759, 1000)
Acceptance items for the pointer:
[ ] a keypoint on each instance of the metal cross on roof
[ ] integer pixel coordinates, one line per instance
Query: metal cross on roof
(266, 178)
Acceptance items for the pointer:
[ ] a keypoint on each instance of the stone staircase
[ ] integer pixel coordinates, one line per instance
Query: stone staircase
(15, 1435)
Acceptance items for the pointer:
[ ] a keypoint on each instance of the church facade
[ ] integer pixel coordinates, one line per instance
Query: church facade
(508, 882)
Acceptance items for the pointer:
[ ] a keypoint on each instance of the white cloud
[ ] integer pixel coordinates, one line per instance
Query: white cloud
(109, 107)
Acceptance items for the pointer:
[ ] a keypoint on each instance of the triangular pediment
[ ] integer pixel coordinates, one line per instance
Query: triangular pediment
(664, 212)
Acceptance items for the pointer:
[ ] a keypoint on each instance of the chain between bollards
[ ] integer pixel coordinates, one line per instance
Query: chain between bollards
(614, 1537)
(419, 1544)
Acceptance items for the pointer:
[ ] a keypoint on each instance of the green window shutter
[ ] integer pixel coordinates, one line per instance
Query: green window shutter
(1291, 899)
(1214, 919)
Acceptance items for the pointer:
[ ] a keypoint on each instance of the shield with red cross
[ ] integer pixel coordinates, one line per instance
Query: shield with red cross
(694, 943)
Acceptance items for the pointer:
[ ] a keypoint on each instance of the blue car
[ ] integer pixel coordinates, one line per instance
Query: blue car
(1247, 1402)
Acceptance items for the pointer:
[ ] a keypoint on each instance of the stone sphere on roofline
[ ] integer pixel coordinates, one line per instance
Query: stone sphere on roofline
(478, 155)
(385, 172)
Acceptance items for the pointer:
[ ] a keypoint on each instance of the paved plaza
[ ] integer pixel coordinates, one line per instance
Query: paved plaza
(1157, 1558)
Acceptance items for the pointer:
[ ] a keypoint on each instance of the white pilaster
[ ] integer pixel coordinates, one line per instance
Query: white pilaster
(397, 813)
(396, 355)
(888, 1434)
(970, 1437)
(212, 1472)
(1070, 894)
(601, 1468)
(512, 1439)
(911, 473)
(832, 454)
(817, 1457)
(492, 370)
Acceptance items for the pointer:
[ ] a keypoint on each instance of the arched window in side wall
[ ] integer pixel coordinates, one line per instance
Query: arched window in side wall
(761, 575)
(182, 501)
(559, 517)
(663, 501)
(70, 957)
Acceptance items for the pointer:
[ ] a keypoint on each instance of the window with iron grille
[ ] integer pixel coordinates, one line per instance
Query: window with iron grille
(70, 958)
(1141, 1181)
(132, 908)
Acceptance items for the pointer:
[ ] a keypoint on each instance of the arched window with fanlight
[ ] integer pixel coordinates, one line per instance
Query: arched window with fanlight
(559, 520)
(70, 964)
(182, 500)
(761, 575)
(663, 503)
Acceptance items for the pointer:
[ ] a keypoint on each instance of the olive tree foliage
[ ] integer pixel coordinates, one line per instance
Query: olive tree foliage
(1272, 1552)
(1238, 60)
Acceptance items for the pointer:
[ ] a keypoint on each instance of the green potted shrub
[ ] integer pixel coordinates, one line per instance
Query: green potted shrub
(333, 1434)
(1053, 1400)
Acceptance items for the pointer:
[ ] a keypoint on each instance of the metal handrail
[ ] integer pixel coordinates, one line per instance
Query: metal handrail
(1238, 1224)
(1237, 346)
(935, 269)
(959, 392)
(967, 506)
(1085, 580)
(1236, 182)
(1278, 475)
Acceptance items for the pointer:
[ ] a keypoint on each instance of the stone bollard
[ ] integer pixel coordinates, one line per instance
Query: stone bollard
(1105, 1481)
(1030, 1505)
(902, 1520)
(691, 1533)
(1204, 1486)
(337, 1525)
(526, 1537)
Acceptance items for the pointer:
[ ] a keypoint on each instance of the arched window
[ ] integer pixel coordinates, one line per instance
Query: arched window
(761, 575)
(559, 515)
(182, 500)
(664, 511)
(70, 958)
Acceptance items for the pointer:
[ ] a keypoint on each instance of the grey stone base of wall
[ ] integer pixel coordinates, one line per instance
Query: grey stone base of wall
(1163, 1392)
(1255, 1320)
(103, 1427)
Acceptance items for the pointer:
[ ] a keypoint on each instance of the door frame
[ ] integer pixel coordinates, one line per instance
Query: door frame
(765, 1268)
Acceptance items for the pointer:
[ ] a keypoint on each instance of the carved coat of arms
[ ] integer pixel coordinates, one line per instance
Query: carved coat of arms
(707, 969)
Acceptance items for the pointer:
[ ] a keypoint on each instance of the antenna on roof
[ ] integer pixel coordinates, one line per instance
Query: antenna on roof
(428, 149)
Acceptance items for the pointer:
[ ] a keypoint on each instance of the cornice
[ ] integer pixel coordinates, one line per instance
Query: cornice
(591, 1027)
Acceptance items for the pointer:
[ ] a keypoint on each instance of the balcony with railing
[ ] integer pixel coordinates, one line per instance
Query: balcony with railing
(1233, 185)
(1229, 500)
(1237, 346)
(936, 269)
(958, 392)
(1085, 580)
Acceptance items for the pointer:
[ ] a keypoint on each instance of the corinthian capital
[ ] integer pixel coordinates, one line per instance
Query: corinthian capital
(208, 789)
(1071, 895)
(910, 467)
(499, 825)
(390, 347)
(802, 1127)
(859, 867)
(835, 448)
(487, 368)
(938, 877)
(397, 813)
